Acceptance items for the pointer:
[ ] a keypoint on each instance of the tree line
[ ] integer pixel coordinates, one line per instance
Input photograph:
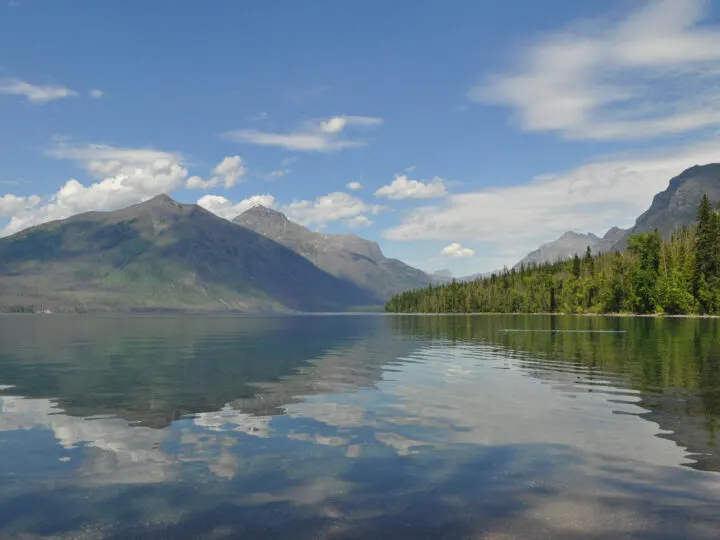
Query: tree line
(677, 275)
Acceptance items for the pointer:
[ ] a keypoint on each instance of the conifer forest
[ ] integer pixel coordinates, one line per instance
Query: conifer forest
(678, 275)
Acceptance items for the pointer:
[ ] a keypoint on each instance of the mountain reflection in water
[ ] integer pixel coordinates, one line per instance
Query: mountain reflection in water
(358, 426)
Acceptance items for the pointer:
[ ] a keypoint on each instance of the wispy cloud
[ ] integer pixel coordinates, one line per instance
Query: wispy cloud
(35, 93)
(517, 219)
(319, 136)
(656, 72)
(276, 174)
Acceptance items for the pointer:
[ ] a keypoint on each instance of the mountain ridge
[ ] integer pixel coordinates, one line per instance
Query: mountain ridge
(674, 207)
(162, 254)
(345, 256)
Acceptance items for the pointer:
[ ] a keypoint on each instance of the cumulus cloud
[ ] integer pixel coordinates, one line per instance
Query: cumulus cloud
(405, 188)
(228, 210)
(229, 172)
(655, 72)
(12, 204)
(514, 220)
(318, 136)
(97, 94)
(328, 208)
(198, 182)
(358, 222)
(35, 93)
(354, 186)
(129, 176)
(456, 250)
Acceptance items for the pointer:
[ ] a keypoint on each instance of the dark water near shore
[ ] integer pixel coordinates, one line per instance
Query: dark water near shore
(359, 426)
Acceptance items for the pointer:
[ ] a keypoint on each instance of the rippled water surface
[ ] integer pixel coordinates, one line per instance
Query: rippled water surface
(359, 426)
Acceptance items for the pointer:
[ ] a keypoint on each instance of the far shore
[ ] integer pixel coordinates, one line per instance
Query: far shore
(368, 310)
(556, 313)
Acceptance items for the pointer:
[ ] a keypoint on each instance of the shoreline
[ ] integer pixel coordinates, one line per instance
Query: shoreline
(552, 314)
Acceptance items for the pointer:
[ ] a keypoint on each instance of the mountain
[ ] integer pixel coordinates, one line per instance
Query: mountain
(347, 257)
(442, 275)
(479, 275)
(612, 237)
(568, 245)
(677, 206)
(161, 254)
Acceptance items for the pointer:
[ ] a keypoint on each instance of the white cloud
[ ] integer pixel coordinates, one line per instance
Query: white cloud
(358, 222)
(35, 93)
(327, 208)
(133, 175)
(354, 186)
(457, 251)
(102, 159)
(517, 219)
(12, 204)
(230, 171)
(228, 210)
(337, 124)
(656, 72)
(303, 142)
(197, 182)
(97, 94)
(318, 136)
(404, 188)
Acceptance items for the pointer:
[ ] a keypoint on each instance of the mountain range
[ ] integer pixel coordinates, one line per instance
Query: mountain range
(346, 257)
(164, 255)
(672, 208)
(161, 254)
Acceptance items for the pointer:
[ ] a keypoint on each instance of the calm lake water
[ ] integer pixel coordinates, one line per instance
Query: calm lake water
(359, 426)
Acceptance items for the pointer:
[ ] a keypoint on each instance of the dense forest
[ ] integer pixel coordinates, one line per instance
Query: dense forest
(677, 275)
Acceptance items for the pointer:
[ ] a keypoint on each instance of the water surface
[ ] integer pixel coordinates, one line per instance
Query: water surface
(359, 426)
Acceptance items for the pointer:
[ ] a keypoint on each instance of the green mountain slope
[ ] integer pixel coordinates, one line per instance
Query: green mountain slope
(161, 254)
(347, 257)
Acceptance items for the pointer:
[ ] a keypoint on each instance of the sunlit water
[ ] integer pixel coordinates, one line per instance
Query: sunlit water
(359, 426)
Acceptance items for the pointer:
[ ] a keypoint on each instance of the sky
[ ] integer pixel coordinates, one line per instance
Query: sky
(458, 134)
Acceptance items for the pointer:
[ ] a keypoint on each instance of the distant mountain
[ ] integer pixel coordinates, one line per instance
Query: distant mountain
(670, 209)
(161, 254)
(607, 242)
(479, 275)
(347, 257)
(568, 245)
(677, 206)
(443, 275)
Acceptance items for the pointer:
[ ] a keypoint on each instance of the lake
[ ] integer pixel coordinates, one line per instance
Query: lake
(359, 426)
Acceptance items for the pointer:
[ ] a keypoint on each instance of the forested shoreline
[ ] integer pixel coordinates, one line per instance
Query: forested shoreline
(679, 275)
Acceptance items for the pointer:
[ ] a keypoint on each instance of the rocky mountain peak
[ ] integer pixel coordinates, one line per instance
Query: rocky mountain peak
(260, 211)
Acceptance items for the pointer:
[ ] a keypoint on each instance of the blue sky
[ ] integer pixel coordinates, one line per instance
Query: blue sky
(477, 130)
